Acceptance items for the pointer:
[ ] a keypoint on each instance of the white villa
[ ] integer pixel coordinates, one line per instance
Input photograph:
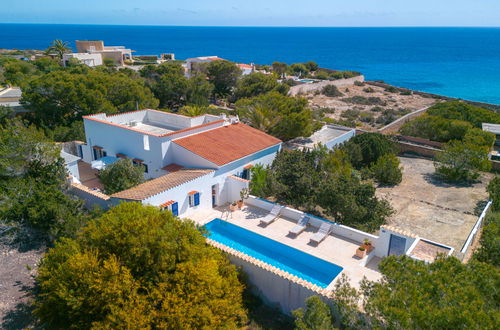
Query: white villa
(196, 166)
(193, 163)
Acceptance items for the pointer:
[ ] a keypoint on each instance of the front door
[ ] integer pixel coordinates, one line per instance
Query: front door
(397, 245)
(214, 195)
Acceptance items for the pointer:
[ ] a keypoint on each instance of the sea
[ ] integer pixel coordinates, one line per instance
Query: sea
(452, 61)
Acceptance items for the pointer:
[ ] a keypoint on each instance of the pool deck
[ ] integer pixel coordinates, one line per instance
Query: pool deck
(335, 249)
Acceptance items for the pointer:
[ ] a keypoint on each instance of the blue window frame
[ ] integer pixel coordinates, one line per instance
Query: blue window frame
(175, 209)
(196, 199)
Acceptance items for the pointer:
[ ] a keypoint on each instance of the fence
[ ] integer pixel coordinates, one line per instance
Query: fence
(475, 229)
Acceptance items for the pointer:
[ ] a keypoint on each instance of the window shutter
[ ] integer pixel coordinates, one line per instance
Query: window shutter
(175, 209)
(196, 199)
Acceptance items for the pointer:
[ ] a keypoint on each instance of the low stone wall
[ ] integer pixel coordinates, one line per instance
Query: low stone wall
(90, 197)
(398, 123)
(307, 88)
(421, 150)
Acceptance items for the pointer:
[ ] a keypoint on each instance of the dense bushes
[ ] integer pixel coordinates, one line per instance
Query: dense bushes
(452, 121)
(121, 175)
(386, 170)
(308, 179)
(138, 267)
(331, 91)
(461, 161)
(462, 111)
(365, 149)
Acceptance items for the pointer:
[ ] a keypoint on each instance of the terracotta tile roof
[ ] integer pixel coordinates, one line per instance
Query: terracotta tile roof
(227, 143)
(173, 167)
(163, 183)
(167, 203)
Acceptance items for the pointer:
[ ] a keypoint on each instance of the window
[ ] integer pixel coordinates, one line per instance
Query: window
(245, 174)
(98, 152)
(194, 198)
(140, 162)
(146, 142)
(171, 206)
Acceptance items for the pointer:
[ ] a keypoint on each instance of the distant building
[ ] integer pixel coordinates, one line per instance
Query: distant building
(11, 97)
(85, 58)
(493, 128)
(119, 54)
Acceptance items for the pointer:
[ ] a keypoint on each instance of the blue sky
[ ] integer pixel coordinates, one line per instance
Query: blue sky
(256, 12)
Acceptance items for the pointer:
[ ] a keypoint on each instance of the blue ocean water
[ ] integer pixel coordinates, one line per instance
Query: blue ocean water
(295, 262)
(458, 62)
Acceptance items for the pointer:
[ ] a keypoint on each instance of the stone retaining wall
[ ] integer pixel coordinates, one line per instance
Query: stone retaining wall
(307, 88)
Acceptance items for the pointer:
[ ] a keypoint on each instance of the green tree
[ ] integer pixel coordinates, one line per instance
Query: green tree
(311, 66)
(59, 47)
(494, 192)
(279, 115)
(316, 316)
(46, 65)
(446, 294)
(299, 69)
(138, 267)
(32, 184)
(365, 149)
(61, 97)
(461, 161)
(259, 185)
(258, 83)
(490, 241)
(279, 68)
(223, 75)
(18, 72)
(462, 111)
(171, 90)
(199, 91)
(387, 170)
(121, 175)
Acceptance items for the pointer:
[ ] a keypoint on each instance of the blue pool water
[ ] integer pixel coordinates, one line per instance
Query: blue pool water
(458, 62)
(293, 261)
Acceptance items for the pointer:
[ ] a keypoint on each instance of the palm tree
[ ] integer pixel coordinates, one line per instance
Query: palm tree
(59, 47)
(261, 117)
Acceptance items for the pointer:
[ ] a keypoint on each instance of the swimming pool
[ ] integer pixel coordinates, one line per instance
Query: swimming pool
(284, 257)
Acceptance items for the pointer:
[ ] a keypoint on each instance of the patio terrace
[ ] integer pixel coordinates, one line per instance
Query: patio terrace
(335, 249)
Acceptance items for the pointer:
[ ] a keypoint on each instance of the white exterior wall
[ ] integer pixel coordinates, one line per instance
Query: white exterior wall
(227, 188)
(87, 59)
(180, 194)
(382, 244)
(73, 169)
(115, 140)
(341, 139)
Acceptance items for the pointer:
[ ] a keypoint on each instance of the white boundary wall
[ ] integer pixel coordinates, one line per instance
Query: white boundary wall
(292, 214)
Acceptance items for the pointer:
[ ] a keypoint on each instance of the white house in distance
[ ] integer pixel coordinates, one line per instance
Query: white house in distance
(192, 163)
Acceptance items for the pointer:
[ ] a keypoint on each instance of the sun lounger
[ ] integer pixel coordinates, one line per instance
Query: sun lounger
(273, 215)
(300, 226)
(322, 232)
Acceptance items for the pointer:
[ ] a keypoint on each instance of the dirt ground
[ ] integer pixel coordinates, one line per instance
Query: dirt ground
(18, 266)
(431, 209)
(388, 107)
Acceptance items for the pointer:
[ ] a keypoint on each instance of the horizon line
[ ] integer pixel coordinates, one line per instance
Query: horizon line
(265, 26)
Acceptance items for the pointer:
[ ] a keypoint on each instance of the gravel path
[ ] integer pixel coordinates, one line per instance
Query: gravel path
(17, 271)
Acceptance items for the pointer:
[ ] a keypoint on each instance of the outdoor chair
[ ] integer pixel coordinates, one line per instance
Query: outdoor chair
(300, 226)
(273, 215)
(323, 231)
